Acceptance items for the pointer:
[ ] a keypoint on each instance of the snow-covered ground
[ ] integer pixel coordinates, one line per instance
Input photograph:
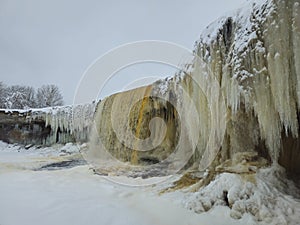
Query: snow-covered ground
(75, 195)
(37, 187)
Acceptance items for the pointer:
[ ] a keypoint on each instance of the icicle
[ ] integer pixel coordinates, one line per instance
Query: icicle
(68, 123)
(296, 45)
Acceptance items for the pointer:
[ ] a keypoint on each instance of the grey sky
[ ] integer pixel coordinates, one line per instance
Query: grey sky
(54, 41)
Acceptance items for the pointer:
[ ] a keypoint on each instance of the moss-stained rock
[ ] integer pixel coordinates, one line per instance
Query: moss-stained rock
(135, 110)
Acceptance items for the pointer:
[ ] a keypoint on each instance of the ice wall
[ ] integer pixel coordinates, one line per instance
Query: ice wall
(248, 99)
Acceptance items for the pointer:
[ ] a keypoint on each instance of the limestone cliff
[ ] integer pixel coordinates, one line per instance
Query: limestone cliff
(248, 67)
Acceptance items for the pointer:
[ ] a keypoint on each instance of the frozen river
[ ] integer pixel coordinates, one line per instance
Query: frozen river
(77, 196)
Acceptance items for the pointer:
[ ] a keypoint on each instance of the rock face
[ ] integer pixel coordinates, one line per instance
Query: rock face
(140, 114)
(148, 124)
(16, 128)
(248, 100)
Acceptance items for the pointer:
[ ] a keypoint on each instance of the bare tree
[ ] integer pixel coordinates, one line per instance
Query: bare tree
(49, 95)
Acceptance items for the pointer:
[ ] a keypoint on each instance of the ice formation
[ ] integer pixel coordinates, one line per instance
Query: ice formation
(69, 122)
(254, 54)
(244, 83)
(59, 124)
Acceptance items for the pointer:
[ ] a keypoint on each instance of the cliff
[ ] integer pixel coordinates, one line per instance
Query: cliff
(248, 67)
(254, 55)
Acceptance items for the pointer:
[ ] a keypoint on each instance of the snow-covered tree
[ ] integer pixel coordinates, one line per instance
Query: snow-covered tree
(19, 97)
(3, 94)
(49, 95)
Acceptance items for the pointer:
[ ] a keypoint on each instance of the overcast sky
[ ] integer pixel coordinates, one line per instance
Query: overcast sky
(54, 41)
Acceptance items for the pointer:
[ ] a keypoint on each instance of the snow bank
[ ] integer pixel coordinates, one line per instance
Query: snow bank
(267, 199)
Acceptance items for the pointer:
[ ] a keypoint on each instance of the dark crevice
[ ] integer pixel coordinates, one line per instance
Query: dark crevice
(225, 197)
(149, 160)
(227, 33)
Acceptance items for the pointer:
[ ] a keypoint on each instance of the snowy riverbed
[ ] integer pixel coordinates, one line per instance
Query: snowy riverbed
(76, 195)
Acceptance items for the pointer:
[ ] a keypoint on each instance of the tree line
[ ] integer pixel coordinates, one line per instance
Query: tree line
(24, 97)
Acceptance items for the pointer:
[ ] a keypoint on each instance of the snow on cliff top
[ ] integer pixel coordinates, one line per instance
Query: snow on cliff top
(50, 110)
(242, 18)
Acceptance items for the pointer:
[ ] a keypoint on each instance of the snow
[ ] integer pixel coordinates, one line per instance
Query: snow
(267, 200)
(77, 196)
(246, 32)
